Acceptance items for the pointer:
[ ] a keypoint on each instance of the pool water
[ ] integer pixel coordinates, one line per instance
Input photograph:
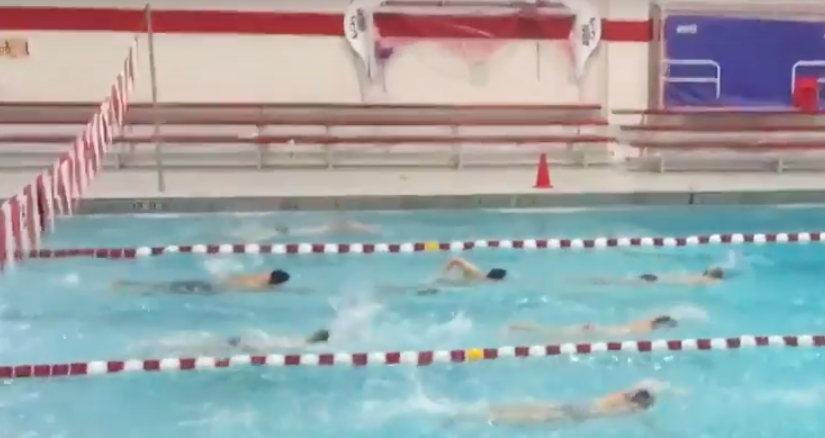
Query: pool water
(55, 311)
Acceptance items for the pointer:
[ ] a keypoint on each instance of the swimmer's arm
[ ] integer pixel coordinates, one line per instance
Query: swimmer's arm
(467, 269)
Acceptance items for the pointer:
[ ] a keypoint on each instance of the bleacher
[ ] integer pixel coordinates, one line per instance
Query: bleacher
(181, 135)
(725, 140)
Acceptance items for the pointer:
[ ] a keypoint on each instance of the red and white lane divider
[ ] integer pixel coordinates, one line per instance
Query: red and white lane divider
(371, 248)
(415, 358)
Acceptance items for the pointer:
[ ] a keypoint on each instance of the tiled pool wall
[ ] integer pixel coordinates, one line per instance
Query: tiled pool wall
(423, 202)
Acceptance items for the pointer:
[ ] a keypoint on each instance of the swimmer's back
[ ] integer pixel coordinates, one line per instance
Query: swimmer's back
(258, 282)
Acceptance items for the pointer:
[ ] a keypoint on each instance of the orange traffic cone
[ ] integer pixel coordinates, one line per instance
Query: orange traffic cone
(543, 174)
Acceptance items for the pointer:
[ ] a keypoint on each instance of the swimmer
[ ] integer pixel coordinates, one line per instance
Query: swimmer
(250, 342)
(468, 274)
(244, 283)
(263, 343)
(344, 227)
(643, 326)
(636, 400)
(708, 277)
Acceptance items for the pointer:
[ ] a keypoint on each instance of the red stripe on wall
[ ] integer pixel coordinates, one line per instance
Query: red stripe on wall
(297, 23)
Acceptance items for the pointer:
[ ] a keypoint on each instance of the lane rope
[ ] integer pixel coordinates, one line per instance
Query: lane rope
(410, 247)
(413, 358)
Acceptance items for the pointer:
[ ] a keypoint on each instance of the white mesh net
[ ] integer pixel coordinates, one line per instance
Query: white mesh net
(466, 35)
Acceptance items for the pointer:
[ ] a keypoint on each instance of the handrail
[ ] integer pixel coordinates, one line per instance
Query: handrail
(320, 121)
(806, 63)
(316, 139)
(331, 106)
(716, 79)
(724, 129)
(153, 75)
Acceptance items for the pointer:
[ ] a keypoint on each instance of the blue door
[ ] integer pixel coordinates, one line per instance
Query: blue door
(739, 62)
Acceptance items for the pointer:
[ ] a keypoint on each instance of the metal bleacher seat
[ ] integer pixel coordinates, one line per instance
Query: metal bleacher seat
(312, 135)
(725, 140)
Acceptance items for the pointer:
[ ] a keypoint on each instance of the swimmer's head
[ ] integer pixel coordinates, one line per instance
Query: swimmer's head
(650, 278)
(496, 274)
(715, 273)
(234, 341)
(282, 229)
(318, 337)
(277, 277)
(662, 322)
(642, 398)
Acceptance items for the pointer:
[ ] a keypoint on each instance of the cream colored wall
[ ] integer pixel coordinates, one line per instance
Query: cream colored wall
(67, 66)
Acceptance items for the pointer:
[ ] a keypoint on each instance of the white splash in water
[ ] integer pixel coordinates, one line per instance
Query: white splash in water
(688, 312)
(71, 279)
(252, 232)
(223, 420)
(809, 396)
(416, 402)
(360, 319)
(660, 386)
(354, 319)
(222, 267)
(459, 325)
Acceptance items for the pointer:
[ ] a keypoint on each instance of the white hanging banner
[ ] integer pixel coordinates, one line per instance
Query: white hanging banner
(585, 34)
(358, 29)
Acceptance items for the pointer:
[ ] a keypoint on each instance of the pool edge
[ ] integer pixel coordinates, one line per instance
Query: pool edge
(439, 202)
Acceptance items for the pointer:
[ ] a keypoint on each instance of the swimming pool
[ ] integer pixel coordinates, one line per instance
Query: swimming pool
(64, 310)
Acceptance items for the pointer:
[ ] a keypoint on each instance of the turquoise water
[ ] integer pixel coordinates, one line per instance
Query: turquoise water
(65, 310)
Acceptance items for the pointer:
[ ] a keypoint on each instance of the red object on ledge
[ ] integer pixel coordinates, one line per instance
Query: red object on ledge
(806, 94)
(543, 174)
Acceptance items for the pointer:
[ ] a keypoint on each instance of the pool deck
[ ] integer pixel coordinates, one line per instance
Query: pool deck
(245, 190)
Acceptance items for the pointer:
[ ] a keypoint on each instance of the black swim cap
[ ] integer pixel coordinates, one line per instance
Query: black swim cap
(664, 321)
(717, 273)
(648, 277)
(642, 398)
(278, 276)
(234, 341)
(318, 337)
(497, 274)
